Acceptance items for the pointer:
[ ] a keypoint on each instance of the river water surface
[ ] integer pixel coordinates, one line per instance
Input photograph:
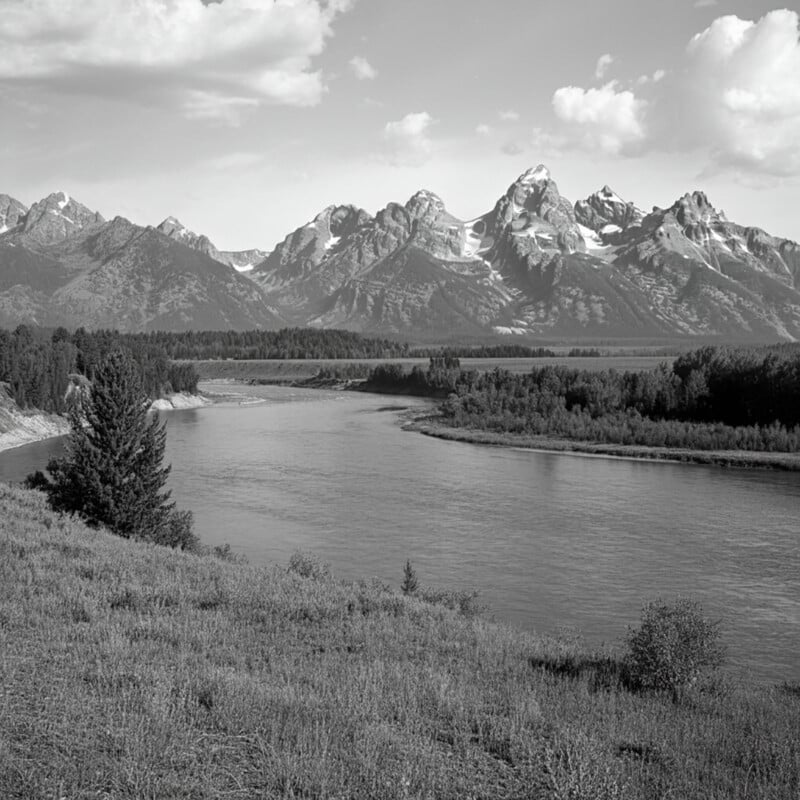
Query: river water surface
(549, 540)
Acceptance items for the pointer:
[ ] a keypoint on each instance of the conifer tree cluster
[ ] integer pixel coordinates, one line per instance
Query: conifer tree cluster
(112, 474)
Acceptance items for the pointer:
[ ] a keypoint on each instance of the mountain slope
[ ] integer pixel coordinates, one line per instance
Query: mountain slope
(241, 261)
(534, 264)
(64, 265)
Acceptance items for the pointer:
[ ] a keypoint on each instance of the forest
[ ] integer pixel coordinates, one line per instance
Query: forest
(713, 398)
(312, 343)
(37, 365)
(296, 343)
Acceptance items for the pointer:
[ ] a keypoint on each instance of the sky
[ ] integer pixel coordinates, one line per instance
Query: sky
(245, 118)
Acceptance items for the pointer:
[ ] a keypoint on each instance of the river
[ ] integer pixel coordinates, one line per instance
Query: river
(550, 541)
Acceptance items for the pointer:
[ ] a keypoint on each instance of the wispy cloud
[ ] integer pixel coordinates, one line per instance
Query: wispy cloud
(362, 69)
(210, 59)
(603, 64)
(509, 116)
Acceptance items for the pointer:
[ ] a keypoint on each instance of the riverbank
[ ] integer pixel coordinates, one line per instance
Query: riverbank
(429, 426)
(18, 428)
(132, 670)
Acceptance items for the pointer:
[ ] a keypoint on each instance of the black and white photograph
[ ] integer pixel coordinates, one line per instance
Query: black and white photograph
(399, 400)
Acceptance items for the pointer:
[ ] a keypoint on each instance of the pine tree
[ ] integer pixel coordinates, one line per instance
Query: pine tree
(410, 582)
(112, 474)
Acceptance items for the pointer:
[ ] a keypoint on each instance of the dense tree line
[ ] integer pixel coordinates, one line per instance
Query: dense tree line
(300, 343)
(38, 366)
(711, 398)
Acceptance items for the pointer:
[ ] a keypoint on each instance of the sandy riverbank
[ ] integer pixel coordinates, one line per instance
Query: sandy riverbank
(429, 426)
(18, 428)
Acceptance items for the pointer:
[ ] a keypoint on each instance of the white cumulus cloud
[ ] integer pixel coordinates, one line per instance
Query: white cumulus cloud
(741, 90)
(407, 141)
(607, 118)
(732, 96)
(212, 59)
(362, 69)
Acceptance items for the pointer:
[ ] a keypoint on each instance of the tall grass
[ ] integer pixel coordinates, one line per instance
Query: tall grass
(132, 671)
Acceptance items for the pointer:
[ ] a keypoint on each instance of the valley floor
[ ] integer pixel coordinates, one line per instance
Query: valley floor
(428, 425)
(130, 671)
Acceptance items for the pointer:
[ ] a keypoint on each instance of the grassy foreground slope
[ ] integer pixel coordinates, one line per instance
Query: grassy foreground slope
(133, 671)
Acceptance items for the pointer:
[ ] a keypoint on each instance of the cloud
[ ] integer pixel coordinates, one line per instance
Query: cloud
(483, 129)
(512, 149)
(214, 60)
(605, 118)
(705, 3)
(732, 96)
(362, 69)
(406, 140)
(509, 116)
(741, 89)
(603, 63)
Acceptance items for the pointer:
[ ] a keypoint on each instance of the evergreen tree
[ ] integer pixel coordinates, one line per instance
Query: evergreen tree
(112, 474)
(410, 582)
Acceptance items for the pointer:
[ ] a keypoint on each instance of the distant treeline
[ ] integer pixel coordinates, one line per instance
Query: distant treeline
(36, 364)
(298, 343)
(711, 398)
(312, 343)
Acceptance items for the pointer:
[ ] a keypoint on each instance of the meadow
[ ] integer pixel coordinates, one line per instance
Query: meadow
(290, 370)
(129, 670)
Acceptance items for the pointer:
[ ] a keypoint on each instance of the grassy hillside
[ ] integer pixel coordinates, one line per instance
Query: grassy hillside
(131, 671)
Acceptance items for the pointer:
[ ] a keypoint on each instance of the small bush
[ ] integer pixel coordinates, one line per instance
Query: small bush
(673, 647)
(177, 531)
(308, 565)
(224, 552)
(463, 602)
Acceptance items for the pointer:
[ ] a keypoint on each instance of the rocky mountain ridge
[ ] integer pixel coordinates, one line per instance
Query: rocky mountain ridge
(535, 264)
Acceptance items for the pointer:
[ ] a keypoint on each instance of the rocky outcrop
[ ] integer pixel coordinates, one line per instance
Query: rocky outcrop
(12, 212)
(606, 213)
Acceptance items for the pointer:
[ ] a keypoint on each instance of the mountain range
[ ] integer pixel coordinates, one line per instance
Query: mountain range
(534, 265)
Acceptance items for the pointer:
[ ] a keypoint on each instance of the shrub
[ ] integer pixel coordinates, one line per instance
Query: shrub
(464, 603)
(673, 647)
(308, 565)
(176, 531)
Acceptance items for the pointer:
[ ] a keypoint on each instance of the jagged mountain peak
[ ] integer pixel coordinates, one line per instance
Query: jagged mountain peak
(606, 213)
(539, 174)
(175, 229)
(534, 212)
(57, 217)
(426, 205)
